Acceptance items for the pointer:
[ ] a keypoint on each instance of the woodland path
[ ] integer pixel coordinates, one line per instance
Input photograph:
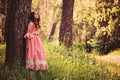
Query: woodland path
(112, 59)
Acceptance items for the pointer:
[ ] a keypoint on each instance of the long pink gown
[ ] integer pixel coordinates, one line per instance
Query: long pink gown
(35, 55)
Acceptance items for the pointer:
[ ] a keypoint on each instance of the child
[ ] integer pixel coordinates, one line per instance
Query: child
(35, 55)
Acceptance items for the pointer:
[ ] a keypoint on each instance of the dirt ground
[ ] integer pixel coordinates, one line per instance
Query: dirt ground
(112, 59)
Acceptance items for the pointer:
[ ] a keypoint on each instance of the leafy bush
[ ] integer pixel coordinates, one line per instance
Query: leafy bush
(99, 14)
(106, 39)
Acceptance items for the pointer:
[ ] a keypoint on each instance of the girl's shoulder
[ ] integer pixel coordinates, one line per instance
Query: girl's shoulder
(31, 23)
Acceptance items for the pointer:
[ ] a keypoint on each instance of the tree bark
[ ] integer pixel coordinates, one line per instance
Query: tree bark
(15, 28)
(52, 31)
(65, 35)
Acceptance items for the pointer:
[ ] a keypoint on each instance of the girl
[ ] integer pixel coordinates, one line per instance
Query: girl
(35, 55)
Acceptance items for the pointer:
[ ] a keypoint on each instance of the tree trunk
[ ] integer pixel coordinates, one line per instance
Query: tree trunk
(46, 4)
(84, 36)
(52, 31)
(65, 35)
(15, 27)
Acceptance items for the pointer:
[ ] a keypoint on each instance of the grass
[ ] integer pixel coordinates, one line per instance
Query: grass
(115, 53)
(64, 64)
(2, 52)
(112, 67)
(2, 48)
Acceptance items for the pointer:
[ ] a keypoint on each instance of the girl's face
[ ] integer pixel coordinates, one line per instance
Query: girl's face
(36, 15)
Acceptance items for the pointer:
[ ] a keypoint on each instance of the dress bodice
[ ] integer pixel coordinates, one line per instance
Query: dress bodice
(32, 28)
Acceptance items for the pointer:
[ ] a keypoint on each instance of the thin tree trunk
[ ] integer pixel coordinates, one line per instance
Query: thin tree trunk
(52, 31)
(16, 25)
(65, 35)
(46, 4)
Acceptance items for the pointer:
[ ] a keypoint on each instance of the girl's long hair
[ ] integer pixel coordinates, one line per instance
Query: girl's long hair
(35, 21)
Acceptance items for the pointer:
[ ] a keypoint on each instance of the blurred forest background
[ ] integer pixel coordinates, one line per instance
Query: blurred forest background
(95, 29)
(96, 22)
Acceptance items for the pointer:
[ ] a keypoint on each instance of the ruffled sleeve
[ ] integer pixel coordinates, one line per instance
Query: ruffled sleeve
(29, 34)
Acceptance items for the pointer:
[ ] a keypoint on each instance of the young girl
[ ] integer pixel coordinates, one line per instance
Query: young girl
(35, 55)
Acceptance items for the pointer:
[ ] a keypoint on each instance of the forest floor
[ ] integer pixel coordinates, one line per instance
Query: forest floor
(112, 59)
(111, 62)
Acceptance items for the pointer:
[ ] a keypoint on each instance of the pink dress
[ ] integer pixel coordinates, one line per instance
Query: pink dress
(35, 55)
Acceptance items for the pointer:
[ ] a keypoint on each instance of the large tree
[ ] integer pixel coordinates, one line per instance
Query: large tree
(65, 35)
(15, 28)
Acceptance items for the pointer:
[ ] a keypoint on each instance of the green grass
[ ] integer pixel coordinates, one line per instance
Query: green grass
(115, 53)
(2, 52)
(64, 64)
(112, 67)
(2, 47)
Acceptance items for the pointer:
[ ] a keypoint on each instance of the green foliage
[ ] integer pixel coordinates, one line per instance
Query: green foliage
(62, 66)
(107, 33)
(50, 13)
(11, 74)
(36, 5)
(2, 52)
(90, 16)
(106, 38)
(78, 45)
(105, 16)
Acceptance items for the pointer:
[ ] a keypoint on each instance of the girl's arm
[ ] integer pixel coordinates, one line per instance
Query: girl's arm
(28, 34)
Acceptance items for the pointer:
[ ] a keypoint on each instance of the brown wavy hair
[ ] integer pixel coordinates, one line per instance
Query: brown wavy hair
(35, 21)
